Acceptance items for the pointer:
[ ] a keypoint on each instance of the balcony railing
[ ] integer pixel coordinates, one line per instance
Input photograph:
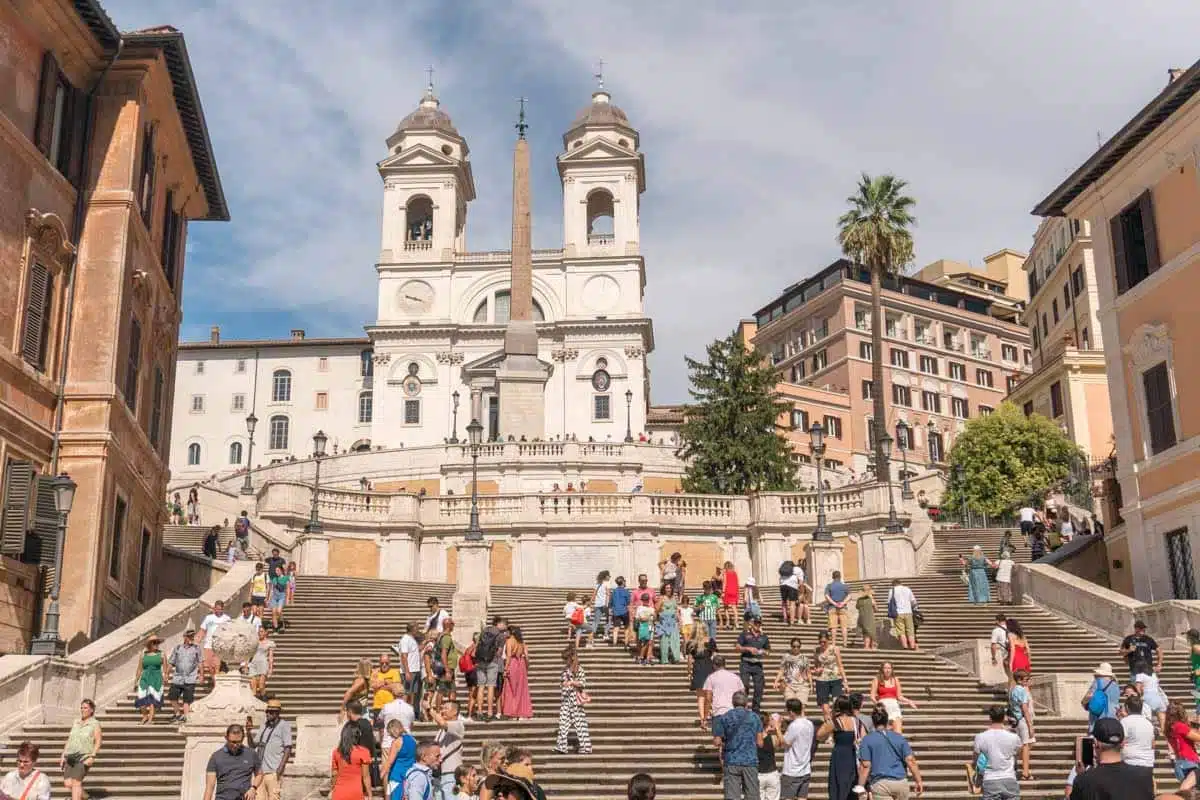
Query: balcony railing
(420, 244)
(601, 238)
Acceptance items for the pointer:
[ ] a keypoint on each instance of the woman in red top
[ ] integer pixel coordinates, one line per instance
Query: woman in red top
(886, 692)
(729, 598)
(1182, 738)
(351, 769)
(1018, 649)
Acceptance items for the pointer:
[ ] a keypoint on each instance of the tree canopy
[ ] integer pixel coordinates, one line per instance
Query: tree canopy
(1008, 459)
(730, 435)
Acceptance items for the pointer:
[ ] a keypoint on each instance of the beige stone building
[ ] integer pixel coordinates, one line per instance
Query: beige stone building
(1140, 195)
(106, 158)
(1068, 383)
(951, 355)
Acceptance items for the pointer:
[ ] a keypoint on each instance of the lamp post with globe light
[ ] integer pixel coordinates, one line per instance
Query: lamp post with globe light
(251, 422)
(628, 415)
(314, 521)
(454, 429)
(903, 436)
(474, 437)
(48, 642)
(816, 435)
(893, 523)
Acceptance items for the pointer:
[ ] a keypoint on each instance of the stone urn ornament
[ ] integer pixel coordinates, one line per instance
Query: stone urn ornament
(231, 700)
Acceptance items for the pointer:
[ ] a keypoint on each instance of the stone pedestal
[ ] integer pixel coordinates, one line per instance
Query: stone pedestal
(975, 656)
(823, 559)
(398, 558)
(314, 554)
(473, 593)
(769, 552)
(229, 703)
(308, 772)
(1061, 693)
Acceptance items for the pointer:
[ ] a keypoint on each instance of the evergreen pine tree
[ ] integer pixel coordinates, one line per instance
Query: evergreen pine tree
(730, 434)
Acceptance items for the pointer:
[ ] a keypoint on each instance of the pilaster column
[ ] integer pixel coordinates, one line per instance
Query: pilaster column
(471, 597)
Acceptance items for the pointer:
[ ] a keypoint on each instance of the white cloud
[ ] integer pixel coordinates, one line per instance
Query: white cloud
(755, 123)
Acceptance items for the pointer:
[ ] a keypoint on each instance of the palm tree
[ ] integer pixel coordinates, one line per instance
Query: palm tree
(874, 232)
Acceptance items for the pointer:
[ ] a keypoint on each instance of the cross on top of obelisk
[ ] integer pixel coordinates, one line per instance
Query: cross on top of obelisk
(522, 125)
(599, 76)
(429, 74)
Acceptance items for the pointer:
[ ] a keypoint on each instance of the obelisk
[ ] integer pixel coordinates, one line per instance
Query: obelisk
(521, 375)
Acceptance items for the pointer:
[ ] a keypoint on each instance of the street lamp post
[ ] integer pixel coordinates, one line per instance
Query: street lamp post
(933, 457)
(251, 421)
(893, 523)
(48, 642)
(474, 435)
(454, 430)
(959, 475)
(628, 415)
(903, 432)
(816, 436)
(314, 520)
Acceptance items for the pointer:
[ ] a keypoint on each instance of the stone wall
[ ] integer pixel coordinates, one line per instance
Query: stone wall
(18, 584)
(184, 574)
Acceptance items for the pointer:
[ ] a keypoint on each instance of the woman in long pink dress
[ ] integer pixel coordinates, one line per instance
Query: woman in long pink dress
(514, 699)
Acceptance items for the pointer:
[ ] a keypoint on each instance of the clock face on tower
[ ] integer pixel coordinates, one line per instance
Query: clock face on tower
(414, 297)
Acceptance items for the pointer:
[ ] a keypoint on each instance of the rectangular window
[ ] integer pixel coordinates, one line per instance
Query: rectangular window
(1028, 408)
(240, 366)
(133, 364)
(799, 419)
(904, 438)
(143, 566)
(833, 427)
(197, 404)
(322, 364)
(118, 528)
(864, 351)
(1045, 325)
(412, 412)
(1160, 410)
(819, 360)
(322, 401)
(239, 402)
(862, 319)
(1011, 382)
(868, 390)
(366, 407)
(957, 371)
(899, 358)
(983, 377)
(822, 331)
(1009, 352)
(890, 327)
(1056, 400)
(959, 407)
(985, 410)
(935, 447)
(1027, 357)
(1066, 296)
(172, 239)
(1087, 343)
(1135, 243)
(156, 407)
(798, 371)
(199, 367)
(932, 402)
(901, 395)
(929, 365)
(146, 188)
(602, 407)
(57, 129)
(1054, 309)
(39, 308)
(1077, 281)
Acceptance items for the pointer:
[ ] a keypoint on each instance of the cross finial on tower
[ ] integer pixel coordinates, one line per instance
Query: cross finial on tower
(429, 74)
(599, 76)
(522, 126)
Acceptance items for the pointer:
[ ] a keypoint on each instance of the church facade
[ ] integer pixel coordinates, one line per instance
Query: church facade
(452, 325)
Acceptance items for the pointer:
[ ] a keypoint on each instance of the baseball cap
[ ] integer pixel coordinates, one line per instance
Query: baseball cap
(1108, 731)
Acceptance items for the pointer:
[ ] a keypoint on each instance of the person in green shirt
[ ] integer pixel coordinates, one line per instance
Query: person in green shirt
(706, 609)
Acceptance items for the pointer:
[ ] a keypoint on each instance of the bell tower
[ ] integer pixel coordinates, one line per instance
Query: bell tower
(427, 183)
(603, 175)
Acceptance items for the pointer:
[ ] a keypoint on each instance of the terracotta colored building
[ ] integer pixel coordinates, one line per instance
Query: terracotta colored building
(949, 357)
(106, 158)
(1140, 194)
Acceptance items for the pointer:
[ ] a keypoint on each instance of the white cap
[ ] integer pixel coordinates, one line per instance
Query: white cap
(750, 582)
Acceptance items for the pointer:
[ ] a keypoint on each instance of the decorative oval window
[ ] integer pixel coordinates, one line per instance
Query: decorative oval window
(601, 380)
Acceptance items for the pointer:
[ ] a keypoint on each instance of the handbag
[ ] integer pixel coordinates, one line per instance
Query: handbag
(892, 614)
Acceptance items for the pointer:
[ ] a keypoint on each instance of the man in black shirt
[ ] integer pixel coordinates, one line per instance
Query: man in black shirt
(1111, 779)
(754, 646)
(276, 565)
(1139, 646)
(234, 771)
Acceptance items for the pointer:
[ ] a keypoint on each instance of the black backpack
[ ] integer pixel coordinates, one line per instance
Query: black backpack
(786, 569)
(485, 651)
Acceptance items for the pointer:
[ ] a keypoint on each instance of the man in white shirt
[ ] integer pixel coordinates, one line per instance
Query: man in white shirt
(797, 758)
(1138, 748)
(208, 626)
(249, 616)
(905, 603)
(1000, 643)
(1004, 568)
(1000, 746)
(26, 782)
(396, 709)
(790, 576)
(409, 650)
(1027, 517)
(437, 615)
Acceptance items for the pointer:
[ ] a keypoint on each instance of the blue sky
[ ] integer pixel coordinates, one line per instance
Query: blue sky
(756, 119)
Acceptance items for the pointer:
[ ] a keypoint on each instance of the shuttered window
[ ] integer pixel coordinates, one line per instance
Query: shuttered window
(156, 408)
(146, 188)
(1134, 243)
(45, 523)
(1160, 413)
(118, 528)
(133, 364)
(14, 518)
(172, 239)
(143, 566)
(38, 303)
(61, 112)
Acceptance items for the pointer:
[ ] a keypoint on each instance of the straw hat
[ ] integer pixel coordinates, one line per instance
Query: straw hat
(1105, 670)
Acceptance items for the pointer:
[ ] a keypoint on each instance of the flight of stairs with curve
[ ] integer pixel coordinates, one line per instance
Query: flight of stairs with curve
(641, 718)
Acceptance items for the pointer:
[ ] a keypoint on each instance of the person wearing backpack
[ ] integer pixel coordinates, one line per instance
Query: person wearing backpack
(789, 592)
(489, 661)
(419, 780)
(1103, 696)
(241, 531)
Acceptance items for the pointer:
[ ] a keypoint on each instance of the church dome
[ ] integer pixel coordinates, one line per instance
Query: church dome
(601, 112)
(428, 116)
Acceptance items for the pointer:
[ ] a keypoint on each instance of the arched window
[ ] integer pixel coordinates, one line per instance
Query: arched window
(235, 453)
(281, 386)
(366, 407)
(278, 433)
(600, 217)
(193, 455)
(367, 364)
(419, 213)
(502, 309)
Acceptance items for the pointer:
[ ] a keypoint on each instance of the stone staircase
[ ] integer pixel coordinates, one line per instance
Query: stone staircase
(642, 718)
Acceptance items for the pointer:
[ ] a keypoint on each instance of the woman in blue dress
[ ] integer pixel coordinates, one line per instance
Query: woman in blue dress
(978, 588)
(843, 762)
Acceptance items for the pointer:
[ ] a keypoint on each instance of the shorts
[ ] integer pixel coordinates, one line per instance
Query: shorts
(621, 620)
(77, 770)
(472, 678)
(1183, 767)
(904, 625)
(794, 787)
(258, 600)
(797, 691)
(1023, 731)
(839, 617)
(278, 598)
(892, 706)
(1026, 527)
(827, 690)
(445, 685)
(789, 594)
(487, 674)
(185, 692)
(888, 789)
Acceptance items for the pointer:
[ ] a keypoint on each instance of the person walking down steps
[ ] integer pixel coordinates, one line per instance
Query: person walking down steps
(572, 717)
